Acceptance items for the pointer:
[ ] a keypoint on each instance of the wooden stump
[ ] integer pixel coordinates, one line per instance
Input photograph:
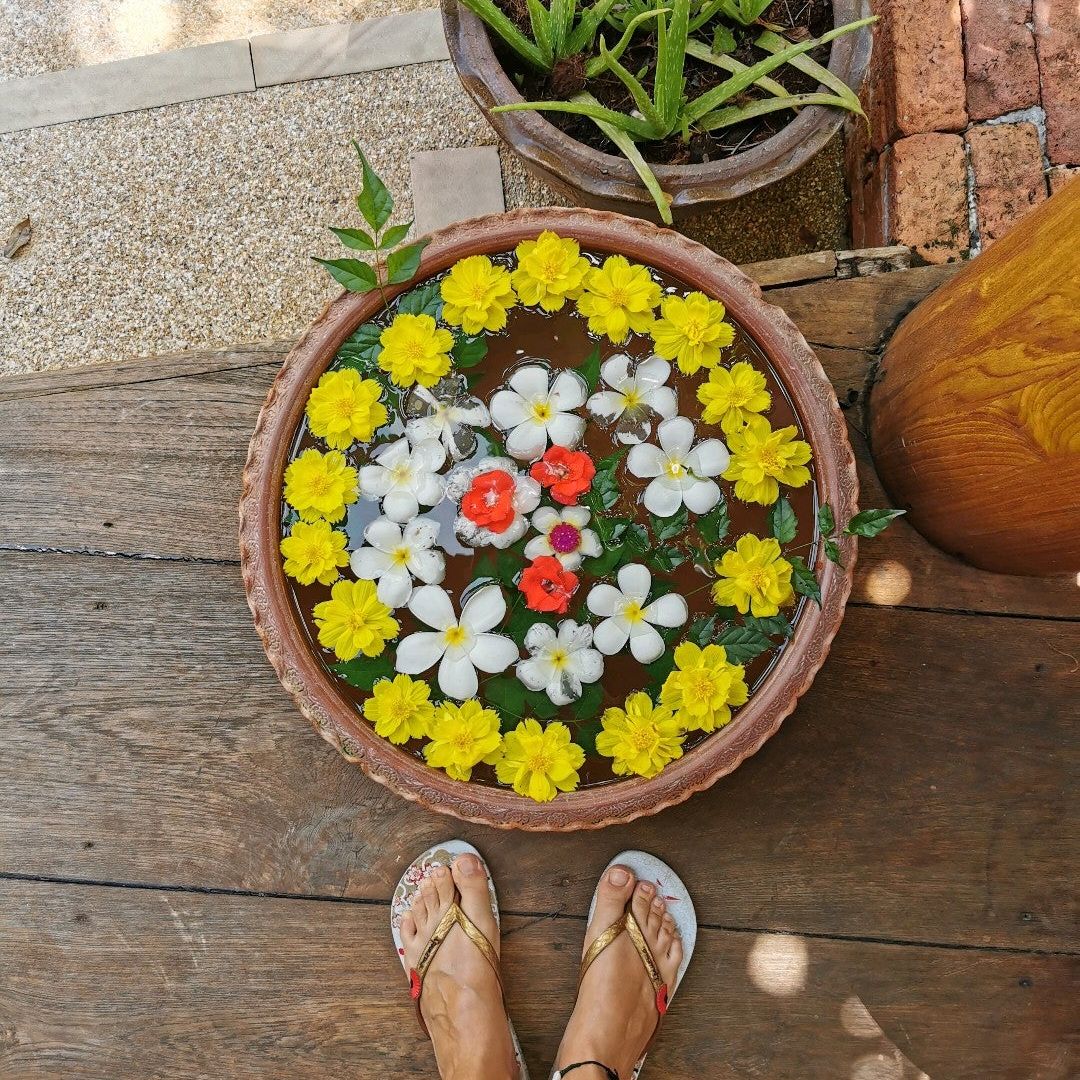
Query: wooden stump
(975, 416)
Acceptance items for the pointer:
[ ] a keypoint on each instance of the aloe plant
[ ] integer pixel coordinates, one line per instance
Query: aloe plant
(668, 111)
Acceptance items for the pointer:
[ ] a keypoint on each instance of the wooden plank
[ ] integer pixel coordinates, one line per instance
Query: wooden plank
(153, 467)
(921, 792)
(798, 268)
(117, 983)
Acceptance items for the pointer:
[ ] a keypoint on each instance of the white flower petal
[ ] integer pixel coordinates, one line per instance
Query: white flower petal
(588, 665)
(652, 373)
(400, 505)
(615, 371)
(527, 493)
(607, 404)
(395, 587)
(662, 400)
(390, 454)
(510, 536)
(646, 644)
(645, 460)
(545, 519)
(370, 563)
(528, 441)
(457, 677)
(701, 496)
(568, 391)
(590, 544)
(429, 456)
(709, 458)
(574, 636)
(530, 381)
(568, 560)
(661, 498)
(484, 609)
(635, 581)
(428, 566)
(564, 687)
(418, 652)
(539, 636)
(474, 414)
(431, 605)
(667, 610)
(611, 635)
(535, 673)
(425, 427)
(493, 653)
(383, 534)
(375, 481)
(422, 532)
(509, 409)
(676, 436)
(566, 429)
(604, 599)
(429, 488)
(537, 546)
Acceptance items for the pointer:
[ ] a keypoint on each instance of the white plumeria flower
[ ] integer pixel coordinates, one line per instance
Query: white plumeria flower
(396, 556)
(634, 398)
(563, 534)
(524, 500)
(534, 412)
(559, 663)
(679, 470)
(458, 646)
(447, 412)
(405, 477)
(627, 617)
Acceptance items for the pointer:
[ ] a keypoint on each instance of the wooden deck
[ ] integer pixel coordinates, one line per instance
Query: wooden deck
(193, 884)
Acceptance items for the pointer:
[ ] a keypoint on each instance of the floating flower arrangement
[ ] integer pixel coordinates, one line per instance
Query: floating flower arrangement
(550, 520)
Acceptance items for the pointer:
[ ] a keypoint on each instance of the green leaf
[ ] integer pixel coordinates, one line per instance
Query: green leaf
(589, 369)
(726, 615)
(403, 263)
(871, 523)
(723, 40)
(714, 526)
(587, 706)
(355, 238)
(803, 580)
(773, 626)
(425, 299)
(783, 524)
(668, 528)
(363, 671)
(604, 564)
(507, 695)
(826, 523)
(665, 559)
(660, 669)
(607, 464)
(743, 643)
(495, 447)
(832, 552)
(374, 202)
(604, 493)
(468, 351)
(361, 349)
(538, 704)
(701, 630)
(636, 539)
(585, 736)
(355, 275)
(394, 235)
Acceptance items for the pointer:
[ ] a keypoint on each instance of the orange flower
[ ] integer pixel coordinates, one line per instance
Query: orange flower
(489, 502)
(547, 586)
(568, 473)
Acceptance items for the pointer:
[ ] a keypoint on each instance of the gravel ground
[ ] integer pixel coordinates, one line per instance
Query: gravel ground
(192, 226)
(52, 35)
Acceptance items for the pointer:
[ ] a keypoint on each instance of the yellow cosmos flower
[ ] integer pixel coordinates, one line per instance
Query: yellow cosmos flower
(344, 408)
(762, 459)
(732, 397)
(703, 686)
(540, 762)
(354, 620)
(550, 271)
(313, 552)
(619, 298)
(476, 295)
(400, 709)
(754, 577)
(691, 330)
(641, 739)
(462, 736)
(320, 485)
(415, 350)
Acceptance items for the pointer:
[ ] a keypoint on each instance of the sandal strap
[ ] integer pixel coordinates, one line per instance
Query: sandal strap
(626, 923)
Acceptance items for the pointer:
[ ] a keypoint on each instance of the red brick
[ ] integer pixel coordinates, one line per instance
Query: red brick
(999, 51)
(1057, 37)
(1007, 162)
(927, 184)
(920, 68)
(1059, 176)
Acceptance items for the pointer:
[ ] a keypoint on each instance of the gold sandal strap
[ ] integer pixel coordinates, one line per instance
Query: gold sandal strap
(600, 944)
(455, 916)
(643, 950)
(630, 925)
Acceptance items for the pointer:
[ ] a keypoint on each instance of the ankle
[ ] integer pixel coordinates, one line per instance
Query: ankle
(588, 1072)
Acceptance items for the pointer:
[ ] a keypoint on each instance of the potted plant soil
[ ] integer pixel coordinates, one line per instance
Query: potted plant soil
(659, 109)
(550, 518)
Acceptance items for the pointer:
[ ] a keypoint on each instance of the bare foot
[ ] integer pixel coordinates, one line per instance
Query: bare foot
(461, 1002)
(615, 1014)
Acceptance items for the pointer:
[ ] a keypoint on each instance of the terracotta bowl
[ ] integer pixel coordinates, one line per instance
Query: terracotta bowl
(607, 181)
(302, 673)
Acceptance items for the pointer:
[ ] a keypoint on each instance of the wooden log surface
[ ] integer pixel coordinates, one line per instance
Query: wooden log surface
(212, 986)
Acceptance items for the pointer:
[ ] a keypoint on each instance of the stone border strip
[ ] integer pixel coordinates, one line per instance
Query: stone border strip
(452, 185)
(224, 67)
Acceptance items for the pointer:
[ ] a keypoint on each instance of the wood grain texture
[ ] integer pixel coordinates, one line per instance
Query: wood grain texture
(921, 792)
(105, 983)
(976, 414)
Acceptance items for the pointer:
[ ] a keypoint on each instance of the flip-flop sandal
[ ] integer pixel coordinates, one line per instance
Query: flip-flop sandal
(669, 888)
(420, 869)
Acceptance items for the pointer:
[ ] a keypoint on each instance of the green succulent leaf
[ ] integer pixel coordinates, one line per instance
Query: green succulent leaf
(723, 40)
(871, 523)
(356, 239)
(783, 524)
(403, 263)
(803, 580)
(374, 202)
(354, 275)
(364, 671)
(743, 643)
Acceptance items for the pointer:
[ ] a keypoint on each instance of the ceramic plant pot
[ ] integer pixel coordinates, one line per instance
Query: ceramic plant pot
(604, 181)
(301, 665)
